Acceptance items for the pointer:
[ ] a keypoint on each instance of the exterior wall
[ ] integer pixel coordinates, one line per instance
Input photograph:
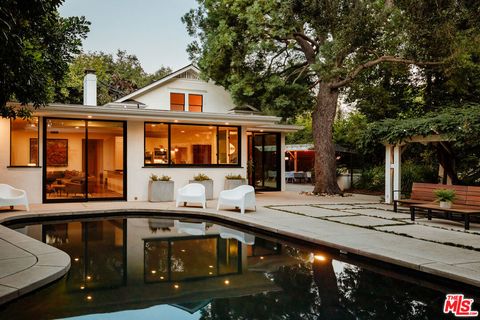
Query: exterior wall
(28, 178)
(138, 175)
(215, 98)
(283, 182)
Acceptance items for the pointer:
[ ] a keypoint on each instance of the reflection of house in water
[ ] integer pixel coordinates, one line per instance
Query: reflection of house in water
(137, 263)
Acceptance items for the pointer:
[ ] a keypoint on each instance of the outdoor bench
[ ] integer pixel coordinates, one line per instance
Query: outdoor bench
(469, 207)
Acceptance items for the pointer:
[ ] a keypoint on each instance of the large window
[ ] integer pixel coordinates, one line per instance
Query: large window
(195, 103)
(191, 145)
(24, 142)
(177, 101)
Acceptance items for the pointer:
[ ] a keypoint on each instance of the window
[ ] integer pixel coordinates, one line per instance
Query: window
(177, 101)
(156, 143)
(24, 142)
(190, 145)
(195, 103)
(228, 145)
(194, 144)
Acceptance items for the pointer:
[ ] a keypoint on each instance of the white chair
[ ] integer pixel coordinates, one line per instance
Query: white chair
(192, 192)
(9, 196)
(242, 197)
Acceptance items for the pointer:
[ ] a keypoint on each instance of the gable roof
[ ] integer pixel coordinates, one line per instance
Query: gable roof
(187, 69)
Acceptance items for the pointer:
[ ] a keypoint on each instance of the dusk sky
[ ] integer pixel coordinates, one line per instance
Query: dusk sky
(150, 29)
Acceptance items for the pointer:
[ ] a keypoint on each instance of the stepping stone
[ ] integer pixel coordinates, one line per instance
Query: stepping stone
(314, 211)
(380, 213)
(381, 206)
(436, 234)
(364, 221)
(338, 206)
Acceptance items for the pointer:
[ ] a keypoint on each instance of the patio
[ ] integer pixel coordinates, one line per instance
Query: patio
(356, 224)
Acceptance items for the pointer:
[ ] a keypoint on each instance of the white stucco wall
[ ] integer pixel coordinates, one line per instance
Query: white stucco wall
(29, 179)
(215, 98)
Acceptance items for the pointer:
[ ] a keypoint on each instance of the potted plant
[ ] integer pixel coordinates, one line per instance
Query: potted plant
(207, 183)
(160, 188)
(445, 197)
(344, 179)
(234, 180)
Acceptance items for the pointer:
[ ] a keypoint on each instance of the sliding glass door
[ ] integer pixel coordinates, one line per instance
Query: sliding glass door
(264, 151)
(83, 160)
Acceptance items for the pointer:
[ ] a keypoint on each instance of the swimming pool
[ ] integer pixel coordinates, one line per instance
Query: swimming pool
(172, 268)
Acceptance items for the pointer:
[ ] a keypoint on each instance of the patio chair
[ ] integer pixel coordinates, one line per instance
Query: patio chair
(9, 196)
(192, 228)
(242, 197)
(192, 192)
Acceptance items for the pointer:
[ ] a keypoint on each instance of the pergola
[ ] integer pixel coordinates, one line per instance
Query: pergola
(393, 164)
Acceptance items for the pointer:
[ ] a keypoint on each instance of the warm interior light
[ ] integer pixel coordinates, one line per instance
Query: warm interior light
(162, 277)
(89, 298)
(210, 272)
(227, 282)
(76, 259)
(261, 258)
(175, 120)
(89, 117)
(153, 271)
(210, 267)
(89, 278)
(82, 287)
(319, 257)
(183, 250)
(77, 127)
(227, 123)
(176, 286)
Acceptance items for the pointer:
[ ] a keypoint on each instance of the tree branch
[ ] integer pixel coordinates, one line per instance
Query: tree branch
(379, 60)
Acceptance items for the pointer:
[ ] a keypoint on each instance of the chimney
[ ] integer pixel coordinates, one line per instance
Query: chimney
(90, 88)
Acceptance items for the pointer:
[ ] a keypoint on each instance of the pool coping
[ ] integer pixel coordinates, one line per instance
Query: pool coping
(56, 270)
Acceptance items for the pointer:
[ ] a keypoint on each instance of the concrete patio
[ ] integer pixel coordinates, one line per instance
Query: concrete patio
(356, 224)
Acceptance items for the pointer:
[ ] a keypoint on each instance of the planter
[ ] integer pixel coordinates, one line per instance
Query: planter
(233, 183)
(208, 184)
(445, 204)
(344, 181)
(160, 191)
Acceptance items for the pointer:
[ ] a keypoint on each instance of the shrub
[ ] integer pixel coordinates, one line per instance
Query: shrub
(154, 177)
(234, 177)
(201, 177)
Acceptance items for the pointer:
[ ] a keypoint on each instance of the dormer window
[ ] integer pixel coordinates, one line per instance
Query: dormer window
(177, 101)
(195, 103)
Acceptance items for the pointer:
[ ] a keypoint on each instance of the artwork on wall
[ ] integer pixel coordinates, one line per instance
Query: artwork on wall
(34, 151)
(57, 152)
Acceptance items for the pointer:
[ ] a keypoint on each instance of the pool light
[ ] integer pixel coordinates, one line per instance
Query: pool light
(319, 257)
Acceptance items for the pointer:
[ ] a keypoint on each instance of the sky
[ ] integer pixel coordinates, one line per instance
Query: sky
(150, 29)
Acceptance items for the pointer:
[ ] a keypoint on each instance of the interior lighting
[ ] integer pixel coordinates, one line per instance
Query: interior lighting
(319, 257)
(227, 282)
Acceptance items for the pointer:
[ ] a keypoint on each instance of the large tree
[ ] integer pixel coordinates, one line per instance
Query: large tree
(36, 46)
(300, 55)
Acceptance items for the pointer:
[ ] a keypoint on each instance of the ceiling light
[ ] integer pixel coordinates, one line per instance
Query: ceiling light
(227, 282)
(89, 117)
(227, 123)
(175, 120)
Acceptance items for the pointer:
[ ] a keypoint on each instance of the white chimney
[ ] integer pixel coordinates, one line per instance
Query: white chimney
(90, 88)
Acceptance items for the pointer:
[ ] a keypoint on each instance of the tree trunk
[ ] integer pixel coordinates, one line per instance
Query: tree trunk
(322, 124)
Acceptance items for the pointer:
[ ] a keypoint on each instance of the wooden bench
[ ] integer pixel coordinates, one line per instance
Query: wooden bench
(422, 193)
(469, 207)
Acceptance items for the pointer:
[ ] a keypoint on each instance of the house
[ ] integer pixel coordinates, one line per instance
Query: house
(178, 126)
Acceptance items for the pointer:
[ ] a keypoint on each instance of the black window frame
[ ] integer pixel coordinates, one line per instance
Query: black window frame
(10, 165)
(191, 165)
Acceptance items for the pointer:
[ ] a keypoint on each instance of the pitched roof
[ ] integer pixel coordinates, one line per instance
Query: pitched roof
(159, 82)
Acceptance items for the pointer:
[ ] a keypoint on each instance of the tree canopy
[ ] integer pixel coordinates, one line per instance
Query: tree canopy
(36, 47)
(118, 75)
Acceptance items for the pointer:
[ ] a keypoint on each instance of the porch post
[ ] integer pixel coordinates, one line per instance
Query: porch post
(388, 174)
(295, 164)
(397, 172)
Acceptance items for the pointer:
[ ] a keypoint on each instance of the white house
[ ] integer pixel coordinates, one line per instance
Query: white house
(178, 126)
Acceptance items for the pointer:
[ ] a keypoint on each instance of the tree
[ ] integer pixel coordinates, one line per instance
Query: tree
(301, 54)
(36, 46)
(117, 75)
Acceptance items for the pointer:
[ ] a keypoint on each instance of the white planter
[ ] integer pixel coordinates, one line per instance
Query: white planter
(233, 183)
(208, 184)
(344, 181)
(160, 191)
(445, 204)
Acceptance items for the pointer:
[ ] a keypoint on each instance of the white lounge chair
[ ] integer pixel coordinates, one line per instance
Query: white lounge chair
(242, 197)
(195, 229)
(9, 196)
(192, 192)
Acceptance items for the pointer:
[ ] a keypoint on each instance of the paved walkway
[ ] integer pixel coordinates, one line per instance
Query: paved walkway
(356, 224)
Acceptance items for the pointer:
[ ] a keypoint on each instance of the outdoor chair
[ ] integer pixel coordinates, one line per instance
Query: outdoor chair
(245, 238)
(242, 197)
(194, 229)
(9, 196)
(192, 192)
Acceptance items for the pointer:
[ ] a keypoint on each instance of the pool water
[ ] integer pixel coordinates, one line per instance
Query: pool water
(162, 268)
